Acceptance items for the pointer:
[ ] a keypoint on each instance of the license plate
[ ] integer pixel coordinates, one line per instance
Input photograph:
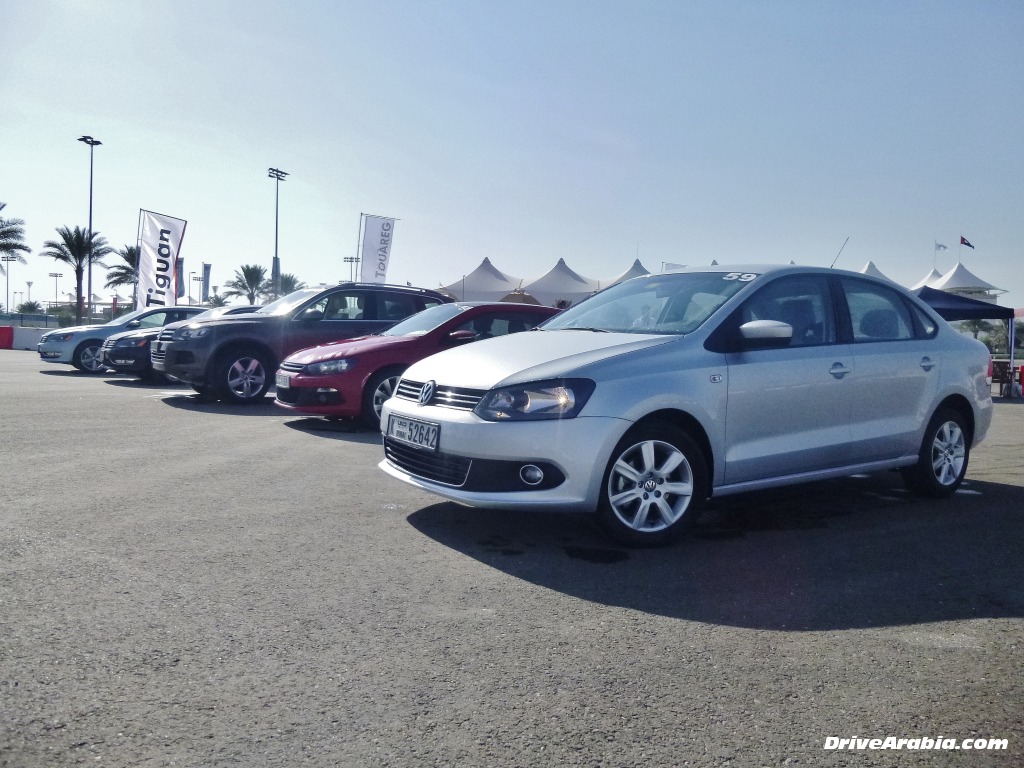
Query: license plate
(418, 433)
(282, 381)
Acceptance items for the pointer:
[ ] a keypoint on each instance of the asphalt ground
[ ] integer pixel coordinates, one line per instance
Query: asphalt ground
(191, 584)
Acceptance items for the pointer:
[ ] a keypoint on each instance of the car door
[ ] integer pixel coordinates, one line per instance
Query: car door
(897, 371)
(343, 314)
(788, 407)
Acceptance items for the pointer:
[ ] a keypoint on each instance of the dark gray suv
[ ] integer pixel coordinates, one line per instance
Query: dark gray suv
(234, 357)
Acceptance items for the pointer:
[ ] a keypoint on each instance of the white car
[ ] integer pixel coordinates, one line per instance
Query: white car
(82, 345)
(657, 393)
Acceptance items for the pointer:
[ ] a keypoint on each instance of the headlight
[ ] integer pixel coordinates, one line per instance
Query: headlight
(58, 337)
(327, 367)
(189, 332)
(131, 343)
(557, 399)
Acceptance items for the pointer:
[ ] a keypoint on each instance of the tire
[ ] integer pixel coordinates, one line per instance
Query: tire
(378, 389)
(654, 486)
(942, 462)
(242, 376)
(88, 357)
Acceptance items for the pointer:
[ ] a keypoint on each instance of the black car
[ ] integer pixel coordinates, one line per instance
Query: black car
(235, 357)
(129, 352)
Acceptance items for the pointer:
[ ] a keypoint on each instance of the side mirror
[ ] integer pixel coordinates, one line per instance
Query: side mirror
(765, 334)
(133, 324)
(461, 337)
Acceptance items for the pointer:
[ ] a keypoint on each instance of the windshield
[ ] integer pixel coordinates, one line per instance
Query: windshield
(127, 318)
(675, 303)
(286, 304)
(425, 321)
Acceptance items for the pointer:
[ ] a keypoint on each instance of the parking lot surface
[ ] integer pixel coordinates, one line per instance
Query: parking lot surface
(184, 583)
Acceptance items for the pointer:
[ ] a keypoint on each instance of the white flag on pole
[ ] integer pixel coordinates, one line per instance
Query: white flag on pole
(377, 234)
(159, 245)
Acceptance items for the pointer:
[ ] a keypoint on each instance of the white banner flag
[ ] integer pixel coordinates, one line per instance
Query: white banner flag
(159, 244)
(377, 234)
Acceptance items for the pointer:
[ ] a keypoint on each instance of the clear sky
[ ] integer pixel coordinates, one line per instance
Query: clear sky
(526, 131)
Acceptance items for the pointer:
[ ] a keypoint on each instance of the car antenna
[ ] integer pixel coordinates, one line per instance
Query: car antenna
(840, 251)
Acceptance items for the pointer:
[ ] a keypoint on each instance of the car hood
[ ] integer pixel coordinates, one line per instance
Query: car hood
(522, 357)
(99, 329)
(350, 348)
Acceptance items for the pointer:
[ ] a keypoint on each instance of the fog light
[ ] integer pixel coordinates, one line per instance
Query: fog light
(531, 474)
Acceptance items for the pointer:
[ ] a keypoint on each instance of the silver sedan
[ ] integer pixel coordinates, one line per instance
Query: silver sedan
(648, 398)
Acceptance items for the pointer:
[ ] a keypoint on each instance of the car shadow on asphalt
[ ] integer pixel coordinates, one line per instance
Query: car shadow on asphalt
(192, 401)
(841, 554)
(349, 430)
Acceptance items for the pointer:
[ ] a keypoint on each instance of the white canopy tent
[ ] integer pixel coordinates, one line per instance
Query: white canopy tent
(485, 283)
(561, 283)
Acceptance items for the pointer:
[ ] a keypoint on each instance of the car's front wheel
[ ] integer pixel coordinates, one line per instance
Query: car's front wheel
(942, 462)
(88, 357)
(378, 389)
(654, 486)
(242, 376)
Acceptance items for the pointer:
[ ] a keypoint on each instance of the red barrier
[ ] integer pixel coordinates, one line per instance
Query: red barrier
(6, 336)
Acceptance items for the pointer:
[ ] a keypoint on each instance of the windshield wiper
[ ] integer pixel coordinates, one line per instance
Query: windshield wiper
(584, 328)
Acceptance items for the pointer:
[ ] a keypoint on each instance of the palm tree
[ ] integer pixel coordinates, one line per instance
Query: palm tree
(30, 308)
(124, 274)
(249, 281)
(290, 283)
(12, 239)
(77, 248)
(217, 300)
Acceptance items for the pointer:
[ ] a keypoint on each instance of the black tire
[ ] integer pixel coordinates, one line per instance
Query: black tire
(88, 356)
(942, 462)
(378, 389)
(654, 486)
(242, 376)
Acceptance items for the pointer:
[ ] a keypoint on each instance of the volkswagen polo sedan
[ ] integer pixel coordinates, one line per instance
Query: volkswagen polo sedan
(646, 399)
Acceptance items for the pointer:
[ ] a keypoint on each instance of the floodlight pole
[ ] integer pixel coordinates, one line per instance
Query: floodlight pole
(275, 270)
(93, 143)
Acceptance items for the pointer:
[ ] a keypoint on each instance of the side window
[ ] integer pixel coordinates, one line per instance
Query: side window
(155, 320)
(877, 313)
(395, 306)
(345, 305)
(802, 302)
(926, 327)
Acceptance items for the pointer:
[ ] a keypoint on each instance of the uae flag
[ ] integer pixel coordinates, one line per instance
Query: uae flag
(965, 241)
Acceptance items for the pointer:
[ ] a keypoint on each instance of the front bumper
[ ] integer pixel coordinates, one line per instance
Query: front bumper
(318, 395)
(576, 449)
(126, 360)
(181, 360)
(55, 352)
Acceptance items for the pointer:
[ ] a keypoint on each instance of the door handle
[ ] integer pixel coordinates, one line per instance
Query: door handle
(926, 363)
(838, 370)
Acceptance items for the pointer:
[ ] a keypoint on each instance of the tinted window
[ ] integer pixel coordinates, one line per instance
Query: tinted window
(153, 321)
(395, 306)
(877, 313)
(500, 323)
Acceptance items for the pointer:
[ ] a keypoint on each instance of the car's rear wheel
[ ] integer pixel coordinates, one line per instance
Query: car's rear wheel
(242, 376)
(942, 462)
(378, 389)
(654, 486)
(88, 356)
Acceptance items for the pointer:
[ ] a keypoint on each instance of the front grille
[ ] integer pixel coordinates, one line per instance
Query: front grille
(166, 335)
(289, 395)
(460, 398)
(439, 467)
(294, 367)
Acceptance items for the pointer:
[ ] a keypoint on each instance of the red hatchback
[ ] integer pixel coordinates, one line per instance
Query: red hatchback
(353, 378)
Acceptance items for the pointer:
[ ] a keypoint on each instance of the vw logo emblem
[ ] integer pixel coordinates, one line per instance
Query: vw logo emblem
(427, 392)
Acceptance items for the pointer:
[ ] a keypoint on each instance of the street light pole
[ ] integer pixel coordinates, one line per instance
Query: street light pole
(275, 271)
(29, 284)
(7, 260)
(93, 143)
(56, 276)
